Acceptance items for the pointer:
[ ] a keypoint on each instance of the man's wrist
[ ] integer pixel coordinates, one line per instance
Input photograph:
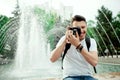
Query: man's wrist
(79, 49)
(78, 46)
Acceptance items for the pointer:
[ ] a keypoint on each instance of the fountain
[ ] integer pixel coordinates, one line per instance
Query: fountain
(31, 58)
(32, 55)
(96, 42)
(107, 38)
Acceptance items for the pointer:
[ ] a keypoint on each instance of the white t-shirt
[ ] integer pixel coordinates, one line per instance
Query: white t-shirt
(74, 64)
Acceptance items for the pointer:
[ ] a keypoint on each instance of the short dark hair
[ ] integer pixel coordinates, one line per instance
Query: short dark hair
(78, 18)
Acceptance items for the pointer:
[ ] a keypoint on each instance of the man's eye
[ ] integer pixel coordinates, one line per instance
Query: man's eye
(82, 26)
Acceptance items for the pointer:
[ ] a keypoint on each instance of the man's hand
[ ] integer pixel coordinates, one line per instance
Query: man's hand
(73, 39)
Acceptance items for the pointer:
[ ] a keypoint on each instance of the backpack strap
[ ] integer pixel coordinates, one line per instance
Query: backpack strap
(88, 43)
(87, 40)
(67, 46)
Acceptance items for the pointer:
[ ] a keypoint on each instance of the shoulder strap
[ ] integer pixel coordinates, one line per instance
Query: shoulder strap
(87, 40)
(67, 46)
(88, 43)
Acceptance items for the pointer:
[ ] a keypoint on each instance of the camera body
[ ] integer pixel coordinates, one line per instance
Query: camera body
(75, 29)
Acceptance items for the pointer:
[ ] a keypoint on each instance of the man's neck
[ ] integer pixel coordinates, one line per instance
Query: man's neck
(82, 39)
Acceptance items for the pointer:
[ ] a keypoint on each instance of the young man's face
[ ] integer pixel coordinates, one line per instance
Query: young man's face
(83, 26)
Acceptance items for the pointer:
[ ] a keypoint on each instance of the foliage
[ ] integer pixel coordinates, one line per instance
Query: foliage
(3, 35)
(116, 24)
(47, 20)
(105, 29)
(54, 27)
(3, 20)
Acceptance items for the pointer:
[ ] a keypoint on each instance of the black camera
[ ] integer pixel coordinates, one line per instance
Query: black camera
(75, 29)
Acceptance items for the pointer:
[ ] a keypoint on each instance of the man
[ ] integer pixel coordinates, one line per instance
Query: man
(78, 60)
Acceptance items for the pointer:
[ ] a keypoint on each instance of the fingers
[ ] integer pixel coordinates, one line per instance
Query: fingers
(77, 35)
(68, 35)
(68, 28)
(69, 32)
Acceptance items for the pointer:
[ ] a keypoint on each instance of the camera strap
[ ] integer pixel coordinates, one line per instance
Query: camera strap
(67, 46)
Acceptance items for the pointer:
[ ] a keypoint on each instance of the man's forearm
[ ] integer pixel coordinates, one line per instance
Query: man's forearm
(56, 53)
(91, 57)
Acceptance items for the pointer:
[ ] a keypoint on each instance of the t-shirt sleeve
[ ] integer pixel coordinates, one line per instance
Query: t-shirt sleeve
(60, 41)
(93, 46)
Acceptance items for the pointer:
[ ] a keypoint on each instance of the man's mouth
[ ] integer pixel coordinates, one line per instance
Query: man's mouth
(82, 34)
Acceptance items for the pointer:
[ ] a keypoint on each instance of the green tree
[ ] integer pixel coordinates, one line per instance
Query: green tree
(102, 23)
(93, 33)
(116, 24)
(3, 20)
(54, 27)
(106, 28)
(48, 20)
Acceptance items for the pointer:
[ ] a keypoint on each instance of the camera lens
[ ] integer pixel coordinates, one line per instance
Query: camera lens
(74, 31)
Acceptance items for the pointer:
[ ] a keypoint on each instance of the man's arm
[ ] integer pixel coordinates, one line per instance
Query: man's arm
(56, 53)
(91, 57)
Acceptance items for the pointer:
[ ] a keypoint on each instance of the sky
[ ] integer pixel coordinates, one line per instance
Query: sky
(87, 8)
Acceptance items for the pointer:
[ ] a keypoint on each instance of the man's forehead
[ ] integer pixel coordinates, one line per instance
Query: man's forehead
(79, 23)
